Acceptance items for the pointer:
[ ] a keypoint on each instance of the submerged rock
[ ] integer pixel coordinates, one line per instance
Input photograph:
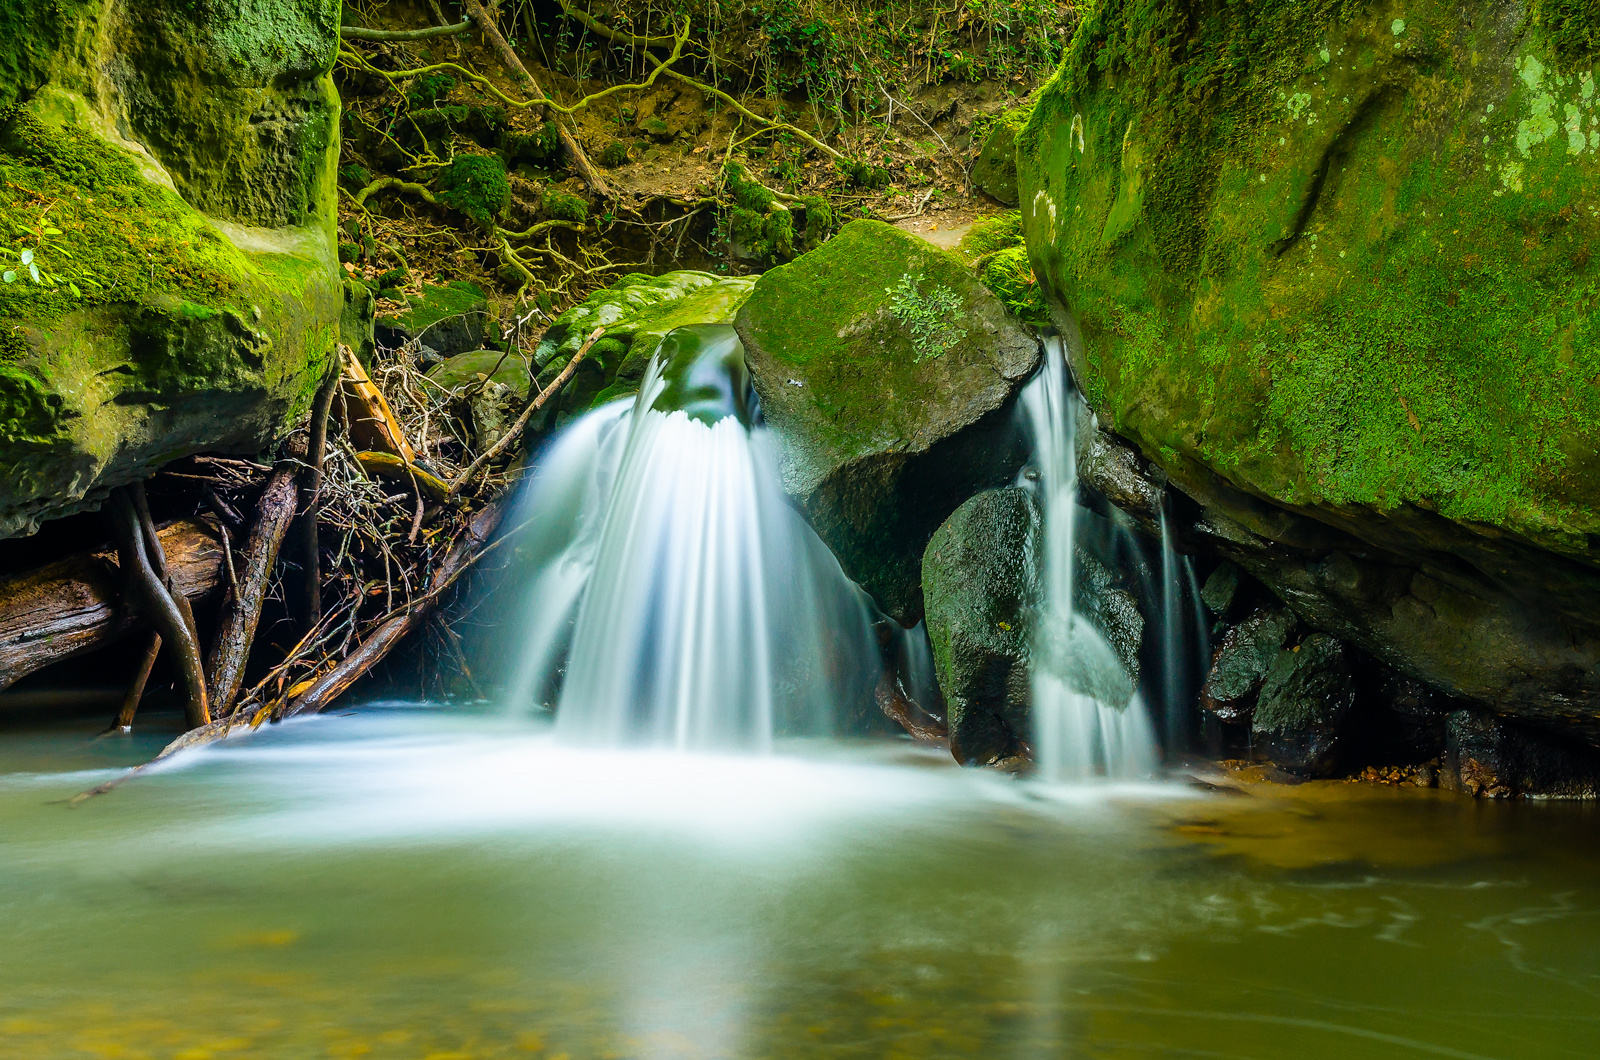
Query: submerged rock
(981, 583)
(1333, 272)
(637, 312)
(888, 371)
(1242, 662)
(170, 272)
(1303, 704)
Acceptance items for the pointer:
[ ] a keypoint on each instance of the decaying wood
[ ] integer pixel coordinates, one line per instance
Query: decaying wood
(372, 424)
(74, 605)
(535, 405)
(141, 677)
(148, 590)
(389, 466)
(508, 58)
(237, 629)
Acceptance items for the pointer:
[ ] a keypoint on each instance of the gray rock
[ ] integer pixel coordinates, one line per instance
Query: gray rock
(981, 584)
(888, 372)
(1307, 694)
(1242, 661)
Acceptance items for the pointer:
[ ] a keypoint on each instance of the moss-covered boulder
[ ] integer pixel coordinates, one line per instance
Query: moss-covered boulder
(1331, 267)
(167, 221)
(449, 318)
(995, 170)
(888, 371)
(636, 312)
(1305, 699)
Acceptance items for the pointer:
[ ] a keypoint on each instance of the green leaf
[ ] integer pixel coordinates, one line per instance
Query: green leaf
(33, 270)
(53, 232)
(10, 276)
(27, 257)
(74, 289)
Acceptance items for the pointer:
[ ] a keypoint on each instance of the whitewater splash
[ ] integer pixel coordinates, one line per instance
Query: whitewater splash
(1089, 719)
(672, 595)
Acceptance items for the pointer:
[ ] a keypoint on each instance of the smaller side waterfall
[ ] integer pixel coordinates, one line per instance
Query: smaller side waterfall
(1089, 719)
(674, 598)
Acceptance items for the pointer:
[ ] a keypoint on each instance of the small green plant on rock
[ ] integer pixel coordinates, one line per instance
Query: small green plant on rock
(477, 186)
(930, 316)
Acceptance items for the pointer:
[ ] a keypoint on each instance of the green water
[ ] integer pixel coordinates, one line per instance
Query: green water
(410, 883)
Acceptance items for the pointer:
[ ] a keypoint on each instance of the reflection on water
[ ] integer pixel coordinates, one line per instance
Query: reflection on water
(405, 883)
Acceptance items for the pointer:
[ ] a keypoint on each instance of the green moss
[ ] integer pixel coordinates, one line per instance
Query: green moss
(991, 234)
(476, 186)
(565, 206)
(1571, 26)
(34, 40)
(1009, 275)
(614, 154)
(429, 89)
(95, 224)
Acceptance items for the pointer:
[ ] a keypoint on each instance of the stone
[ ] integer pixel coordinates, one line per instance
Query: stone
(449, 317)
(888, 372)
(1304, 700)
(981, 583)
(637, 312)
(169, 170)
(995, 171)
(509, 368)
(1242, 661)
(1332, 271)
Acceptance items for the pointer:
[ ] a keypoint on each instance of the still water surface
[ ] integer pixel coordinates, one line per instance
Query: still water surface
(414, 883)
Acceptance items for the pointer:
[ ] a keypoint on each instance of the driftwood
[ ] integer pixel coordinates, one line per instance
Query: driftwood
(508, 58)
(905, 711)
(74, 605)
(372, 424)
(141, 677)
(144, 571)
(237, 630)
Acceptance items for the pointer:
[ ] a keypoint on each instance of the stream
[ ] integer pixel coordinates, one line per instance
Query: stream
(413, 882)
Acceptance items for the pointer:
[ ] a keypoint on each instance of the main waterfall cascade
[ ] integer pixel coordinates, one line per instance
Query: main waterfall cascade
(1089, 718)
(672, 596)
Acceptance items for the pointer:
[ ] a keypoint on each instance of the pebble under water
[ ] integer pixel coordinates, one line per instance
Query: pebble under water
(408, 882)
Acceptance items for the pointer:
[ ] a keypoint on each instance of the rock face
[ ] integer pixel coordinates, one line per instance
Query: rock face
(637, 312)
(1331, 268)
(167, 171)
(888, 371)
(981, 582)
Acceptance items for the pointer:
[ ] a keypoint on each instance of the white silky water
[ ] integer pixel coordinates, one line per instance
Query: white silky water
(672, 596)
(1089, 719)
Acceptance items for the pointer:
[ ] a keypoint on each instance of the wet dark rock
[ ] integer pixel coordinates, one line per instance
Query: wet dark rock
(1242, 661)
(1115, 471)
(1497, 757)
(1407, 719)
(1221, 589)
(1303, 704)
(981, 584)
(888, 371)
(1100, 597)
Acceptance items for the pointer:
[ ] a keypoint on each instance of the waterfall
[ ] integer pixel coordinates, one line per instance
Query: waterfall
(1089, 719)
(673, 597)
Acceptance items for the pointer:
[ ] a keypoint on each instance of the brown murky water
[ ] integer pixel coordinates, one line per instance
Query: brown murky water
(416, 884)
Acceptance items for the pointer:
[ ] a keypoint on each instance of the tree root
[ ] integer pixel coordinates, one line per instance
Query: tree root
(311, 489)
(134, 534)
(130, 701)
(362, 33)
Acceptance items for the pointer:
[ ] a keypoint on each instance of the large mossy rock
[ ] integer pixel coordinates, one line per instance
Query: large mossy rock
(888, 371)
(637, 312)
(169, 169)
(1332, 268)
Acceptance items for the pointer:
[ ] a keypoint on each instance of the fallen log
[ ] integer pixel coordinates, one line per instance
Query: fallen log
(75, 605)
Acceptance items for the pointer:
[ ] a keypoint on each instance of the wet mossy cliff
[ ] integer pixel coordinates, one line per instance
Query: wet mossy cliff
(167, 216)
(1332, 267)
